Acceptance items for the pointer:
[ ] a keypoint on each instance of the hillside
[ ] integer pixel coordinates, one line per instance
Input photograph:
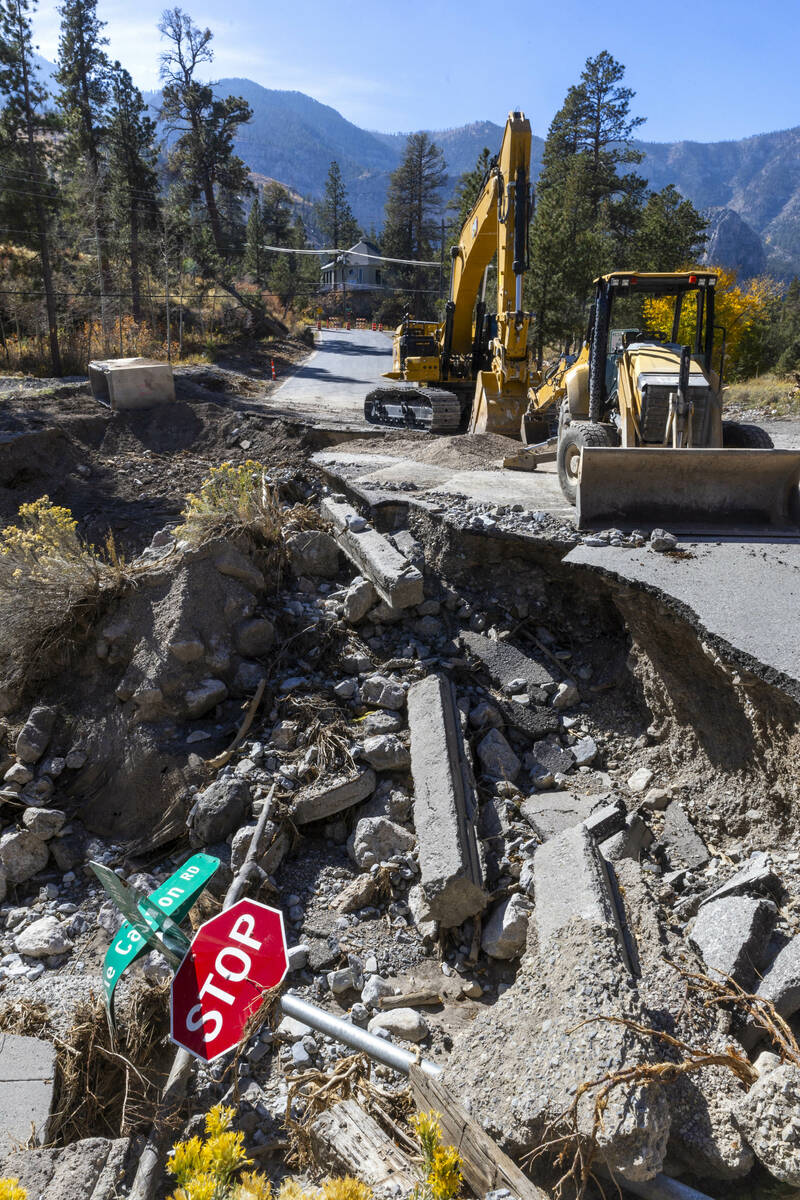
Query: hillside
(750, 187)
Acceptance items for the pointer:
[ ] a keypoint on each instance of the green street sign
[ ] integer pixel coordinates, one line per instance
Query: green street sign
(151, 920)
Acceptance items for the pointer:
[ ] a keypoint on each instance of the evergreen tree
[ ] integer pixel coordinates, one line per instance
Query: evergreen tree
(83, 78)
(670, 234)
(468, 189)
(24, 136)
(133, 184)
(334, 217)
(254, 254)
(588, 206)
(412, 209)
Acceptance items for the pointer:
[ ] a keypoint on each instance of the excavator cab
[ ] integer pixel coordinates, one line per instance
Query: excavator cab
(641, 435)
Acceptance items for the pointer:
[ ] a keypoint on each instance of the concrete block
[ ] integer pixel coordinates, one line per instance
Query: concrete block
(550, 813)
(756, 878)
(27, 1067)
(781, 983)
(731, 936)
(605, 821)
(91, 1169)
(451, 870)
(505, 663)
(570, 881)
(395, 580)
(683, 845)
(128, 383)
(324, 800)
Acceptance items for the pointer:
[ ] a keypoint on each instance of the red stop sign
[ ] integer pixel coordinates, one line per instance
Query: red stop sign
(232, 960)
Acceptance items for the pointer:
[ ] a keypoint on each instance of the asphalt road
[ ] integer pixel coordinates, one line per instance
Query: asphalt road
(746, 594)
(330, 386)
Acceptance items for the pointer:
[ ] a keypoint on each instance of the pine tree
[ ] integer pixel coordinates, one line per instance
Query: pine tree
(468, 189)
(670, 234)
(133, 183)
(83, 77)
(413, 205)
(24, 134)
(588, 208)
(334, 217)
(254, 254)
(206, 172)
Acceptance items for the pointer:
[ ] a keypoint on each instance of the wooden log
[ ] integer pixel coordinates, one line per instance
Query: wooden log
(346, 1140)
(485, 1166)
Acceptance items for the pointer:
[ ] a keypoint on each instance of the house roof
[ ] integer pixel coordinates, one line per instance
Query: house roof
(358, 255)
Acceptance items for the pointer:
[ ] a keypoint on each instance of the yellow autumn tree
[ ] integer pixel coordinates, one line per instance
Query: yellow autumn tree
(740, 309)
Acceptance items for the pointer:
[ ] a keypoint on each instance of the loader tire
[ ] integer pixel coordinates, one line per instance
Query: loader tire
(572, 440)
(745, 437)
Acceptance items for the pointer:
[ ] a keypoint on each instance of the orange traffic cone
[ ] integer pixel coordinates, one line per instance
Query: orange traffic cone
(272, 364)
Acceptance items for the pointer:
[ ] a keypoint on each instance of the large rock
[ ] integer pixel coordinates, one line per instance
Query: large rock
(386, 752)
(44, 822)
(781, 983)
(731, 936)
(255, 637)
(768, 1117)
(91, 1169)
(35, 734)
(22, 855)
(218, 810)
(207, 695)
(44, 937)
(377, 689)
(313, 553)
(358, 600)
(330, 796)
(404, 1023)
(445, 810)
(505, 931)
(497, 758)
(377, 839)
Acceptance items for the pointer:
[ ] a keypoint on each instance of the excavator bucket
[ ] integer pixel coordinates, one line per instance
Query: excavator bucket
(495, 411)
(700, 491)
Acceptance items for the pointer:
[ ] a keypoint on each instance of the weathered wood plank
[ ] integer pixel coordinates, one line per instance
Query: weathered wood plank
(485, 1166)
(346, 1140)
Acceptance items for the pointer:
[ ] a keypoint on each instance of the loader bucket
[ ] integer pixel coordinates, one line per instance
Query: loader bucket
(496, 411)
(691, 490)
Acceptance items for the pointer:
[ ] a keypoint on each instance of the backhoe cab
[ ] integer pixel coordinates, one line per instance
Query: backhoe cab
(641, 438)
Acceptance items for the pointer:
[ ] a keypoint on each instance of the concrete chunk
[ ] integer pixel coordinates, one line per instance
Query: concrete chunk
(684, 846)
(570, 881)
(27, 1067)
(756, 878)
(505, 663)
(781, 983)
(452, 875)
(550, 813)
(731, 936)
(132, 382)
(320, 801)
(395, 580)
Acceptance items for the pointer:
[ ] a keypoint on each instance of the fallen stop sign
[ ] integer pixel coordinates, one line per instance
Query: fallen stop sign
(232, 960)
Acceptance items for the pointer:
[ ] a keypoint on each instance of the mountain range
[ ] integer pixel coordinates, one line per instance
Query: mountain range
(749, 189)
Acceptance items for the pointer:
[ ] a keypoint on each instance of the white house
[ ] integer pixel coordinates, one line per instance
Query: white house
(359, 269)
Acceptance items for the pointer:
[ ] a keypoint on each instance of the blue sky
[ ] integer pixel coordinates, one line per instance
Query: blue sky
(703, 70)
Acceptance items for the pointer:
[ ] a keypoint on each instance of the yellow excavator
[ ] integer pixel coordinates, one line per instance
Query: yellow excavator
(641, 439)
(472, 363)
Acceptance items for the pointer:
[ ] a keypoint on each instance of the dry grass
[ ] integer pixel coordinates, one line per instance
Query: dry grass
(52, 589)
(769, 395)
(106, 1085)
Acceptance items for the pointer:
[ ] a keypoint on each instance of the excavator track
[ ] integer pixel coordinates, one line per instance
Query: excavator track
(433, 409)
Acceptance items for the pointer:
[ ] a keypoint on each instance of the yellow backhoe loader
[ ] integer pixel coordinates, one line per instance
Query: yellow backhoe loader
(472, 363)
(641, 439)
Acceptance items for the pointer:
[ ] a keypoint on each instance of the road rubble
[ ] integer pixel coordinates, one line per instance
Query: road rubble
(518, 816)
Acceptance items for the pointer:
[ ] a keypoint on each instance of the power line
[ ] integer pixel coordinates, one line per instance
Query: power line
(408, 262)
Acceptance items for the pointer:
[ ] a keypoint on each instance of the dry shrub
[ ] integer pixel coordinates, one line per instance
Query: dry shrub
(52, 589)
(106, 1084)
(769, 394)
